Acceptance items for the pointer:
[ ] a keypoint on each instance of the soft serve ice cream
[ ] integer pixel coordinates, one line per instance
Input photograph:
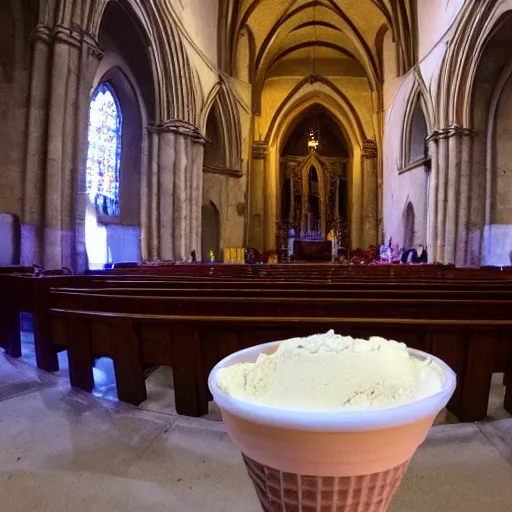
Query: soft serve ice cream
(329, 372)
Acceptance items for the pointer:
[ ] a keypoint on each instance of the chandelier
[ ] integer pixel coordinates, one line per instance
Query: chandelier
(313, 139)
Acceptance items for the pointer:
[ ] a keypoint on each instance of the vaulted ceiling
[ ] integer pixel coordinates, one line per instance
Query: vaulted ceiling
(317, 37)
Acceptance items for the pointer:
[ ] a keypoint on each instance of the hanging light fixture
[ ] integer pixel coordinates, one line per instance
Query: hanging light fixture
(314, 139)
(314, 132)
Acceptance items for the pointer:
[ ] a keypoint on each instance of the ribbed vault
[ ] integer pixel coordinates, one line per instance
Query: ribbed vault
(315, 37)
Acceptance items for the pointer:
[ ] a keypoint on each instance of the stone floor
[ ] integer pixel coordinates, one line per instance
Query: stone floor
(67, 451)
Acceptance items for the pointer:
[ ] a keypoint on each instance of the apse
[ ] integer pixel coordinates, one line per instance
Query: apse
(313, 176)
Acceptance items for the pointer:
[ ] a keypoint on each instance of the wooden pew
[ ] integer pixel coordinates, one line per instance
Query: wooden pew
(170, 289)
(469, 335)
(10, 324)
(430, 282)
(21, 293)
(17, 269)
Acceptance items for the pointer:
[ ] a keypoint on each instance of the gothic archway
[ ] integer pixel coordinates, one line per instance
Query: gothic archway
(210, 242)
(313, 178)
(409, 226)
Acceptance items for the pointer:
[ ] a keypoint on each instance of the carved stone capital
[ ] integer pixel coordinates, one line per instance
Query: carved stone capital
(180, 127)
(259, 150)
(451, 131)
(41, 33)
(369, 149)
(73, 35)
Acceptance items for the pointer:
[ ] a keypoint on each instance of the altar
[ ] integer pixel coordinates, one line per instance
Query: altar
(312, 221)
(312, 250)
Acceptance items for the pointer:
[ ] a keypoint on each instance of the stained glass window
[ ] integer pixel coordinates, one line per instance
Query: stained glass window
(104, 150)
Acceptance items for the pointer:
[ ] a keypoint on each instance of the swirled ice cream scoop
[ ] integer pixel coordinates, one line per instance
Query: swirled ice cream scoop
(329, 372)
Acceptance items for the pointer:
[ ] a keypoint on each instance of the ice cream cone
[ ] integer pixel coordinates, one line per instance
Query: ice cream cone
(279, 491)
(352, 461)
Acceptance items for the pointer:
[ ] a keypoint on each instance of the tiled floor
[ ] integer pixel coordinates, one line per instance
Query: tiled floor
(66, 451)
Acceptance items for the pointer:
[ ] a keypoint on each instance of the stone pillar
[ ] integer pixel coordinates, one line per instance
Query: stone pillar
(179, 206)
(257, 194)
(449, 190)
(432, 199)
(452, 198)
(65, 59)
(32, 230)
(145, 203)
(165, 194)
(196, 194)
(370, 194)
(466, 162)
(174, 191)
(441, 198)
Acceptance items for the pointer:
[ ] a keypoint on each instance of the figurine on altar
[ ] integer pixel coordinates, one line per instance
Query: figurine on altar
(331, 236)
(212, 256)
(291, 241)
(386, 254)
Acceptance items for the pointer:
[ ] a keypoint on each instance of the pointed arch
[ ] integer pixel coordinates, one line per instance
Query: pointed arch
(172, 72)
(478, 20)
(350, 126)
(418, 124)
(409, 219)
(388, 53)
(223, 106)
(104, 150)
(336, 101)
(315, 162)
(211, 230)
(244, 66)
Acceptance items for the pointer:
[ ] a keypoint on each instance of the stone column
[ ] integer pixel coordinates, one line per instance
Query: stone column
(166, 221)
(32, 230)
(145, 203)
(449, 190)
(452, 197)
(89, 58)
(196, 194)
(370, 191)
(175, 190)
(64, 61)
(441, 197)
(257, 194)
(180, 198)
(432, 198)
(466, 163)
(149, 200)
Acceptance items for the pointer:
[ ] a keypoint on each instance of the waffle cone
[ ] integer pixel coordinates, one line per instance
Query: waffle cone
(279, 491)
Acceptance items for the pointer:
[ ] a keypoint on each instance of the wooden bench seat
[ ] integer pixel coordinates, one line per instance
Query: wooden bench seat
(469, 347)
(470, 335)
(22, 293)
(462, 315)
(347, 291)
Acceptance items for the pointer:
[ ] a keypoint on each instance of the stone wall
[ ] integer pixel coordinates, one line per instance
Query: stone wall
(14, 89)
(401, 184)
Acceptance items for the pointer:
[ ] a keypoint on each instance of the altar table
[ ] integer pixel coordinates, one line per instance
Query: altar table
(312, 250)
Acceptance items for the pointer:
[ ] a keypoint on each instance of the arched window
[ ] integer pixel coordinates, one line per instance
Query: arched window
(414, 136)
(104, 150)
(417, 138)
